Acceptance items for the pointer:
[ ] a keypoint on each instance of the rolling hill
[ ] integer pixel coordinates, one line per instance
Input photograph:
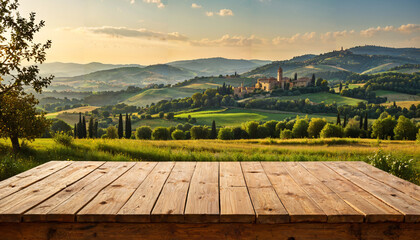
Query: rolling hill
(60, 69)
(217, 66)
(412, 53)
(121, 78)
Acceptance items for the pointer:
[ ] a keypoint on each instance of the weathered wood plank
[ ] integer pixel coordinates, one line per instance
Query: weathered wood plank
(159, 231)
(109, 201)
(402, 185)
(12, 207)
(235, 203)
(333, 206)
(170, 205)
(203, 195)
(267, 204)
(20, 181)
(374, 209)
(398, 200)
(139, 207)
(64, 205)
(298, 204)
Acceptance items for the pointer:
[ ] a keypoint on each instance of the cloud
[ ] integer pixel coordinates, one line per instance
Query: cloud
(372, 31)
(132, 33)
(132, 1)
(222, 13)
(195, 5)
(230, 41)
(158, 3)
(225, 12)
(409, 28)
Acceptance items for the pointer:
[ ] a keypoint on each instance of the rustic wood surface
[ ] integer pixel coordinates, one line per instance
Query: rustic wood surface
(256, 193)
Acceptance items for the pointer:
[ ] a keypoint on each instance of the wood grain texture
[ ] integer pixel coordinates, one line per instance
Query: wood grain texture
(299, 205)
(402, 185)
(20, 181)
(267, 204)
(235, 203)
(140, 205)
(64, 205)
(373, 209)
(13, 206)
(230, 231)
(203, 195)
(104, 207)
(398, 200)
(171, 203)
(333, 206)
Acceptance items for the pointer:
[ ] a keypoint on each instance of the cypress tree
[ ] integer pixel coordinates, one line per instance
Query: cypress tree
(95, 129)
(313, 79)
(120, 127)
(366, 122)
(361, 122)
(75, 131)
(338, 119)
(91, 128)
(84, 127)
(295, 76)
(213, 130)
(127, 126)
(345, 121)
(341, 87)
(79, 127)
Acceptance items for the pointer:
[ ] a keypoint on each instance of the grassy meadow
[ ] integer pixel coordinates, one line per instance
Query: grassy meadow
(43, 150)
(327, 98)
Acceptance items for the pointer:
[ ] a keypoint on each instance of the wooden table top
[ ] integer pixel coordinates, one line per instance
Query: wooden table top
(208, 192)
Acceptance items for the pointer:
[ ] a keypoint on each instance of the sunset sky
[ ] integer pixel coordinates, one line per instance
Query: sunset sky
(158, 31)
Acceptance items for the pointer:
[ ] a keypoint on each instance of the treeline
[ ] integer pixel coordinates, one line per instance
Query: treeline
(398, 82)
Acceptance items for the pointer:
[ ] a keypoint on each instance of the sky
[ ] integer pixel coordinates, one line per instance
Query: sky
(159, 31)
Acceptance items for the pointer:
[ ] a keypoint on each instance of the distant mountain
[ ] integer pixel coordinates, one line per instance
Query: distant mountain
(336, 61)
(217, 66)
(412, 53)
(60, 69)
(121, 78)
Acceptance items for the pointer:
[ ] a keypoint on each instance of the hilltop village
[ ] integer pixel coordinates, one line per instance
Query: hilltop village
(269, 84)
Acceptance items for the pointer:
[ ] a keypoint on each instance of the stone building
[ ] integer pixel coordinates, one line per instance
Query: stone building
(269, 84)
(241, 91)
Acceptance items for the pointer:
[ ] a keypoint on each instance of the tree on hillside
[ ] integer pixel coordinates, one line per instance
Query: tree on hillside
(127, 126)
(361, 122)
(365, 126)
(120, 127)
(95, 129)
(345, 121)
(405, 129)
(313, 80)
(213, 134)
(340, 87)
(315, 127)
(20, 119)
(79, 127)
(60, 126)
(252, 129)
(18, 49)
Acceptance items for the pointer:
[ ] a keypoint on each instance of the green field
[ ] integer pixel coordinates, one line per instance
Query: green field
(327, 98)
(43, 150)
(236, 117)
(396, 96)
(150, 96)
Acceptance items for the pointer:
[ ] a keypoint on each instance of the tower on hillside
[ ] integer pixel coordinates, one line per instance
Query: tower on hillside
(280, 77)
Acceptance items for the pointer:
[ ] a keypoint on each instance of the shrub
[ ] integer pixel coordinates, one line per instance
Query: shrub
(148, 116)
(331, 130)
(401, 167)
(252, 129)
(63, 138)
(300, 128)
(111, 132)
(225, 134)
(144, 132)
(178, 135)
(286, 134)
(279, 127)
(199, 132)
(263, 131)
(170, 116)
(315, 127)
(271, 126)
(239, 133)
(352, 129)
(405, 129)
(60, 126)
(161, 114)
(290, 124)
(160, 133)
(383, 127)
